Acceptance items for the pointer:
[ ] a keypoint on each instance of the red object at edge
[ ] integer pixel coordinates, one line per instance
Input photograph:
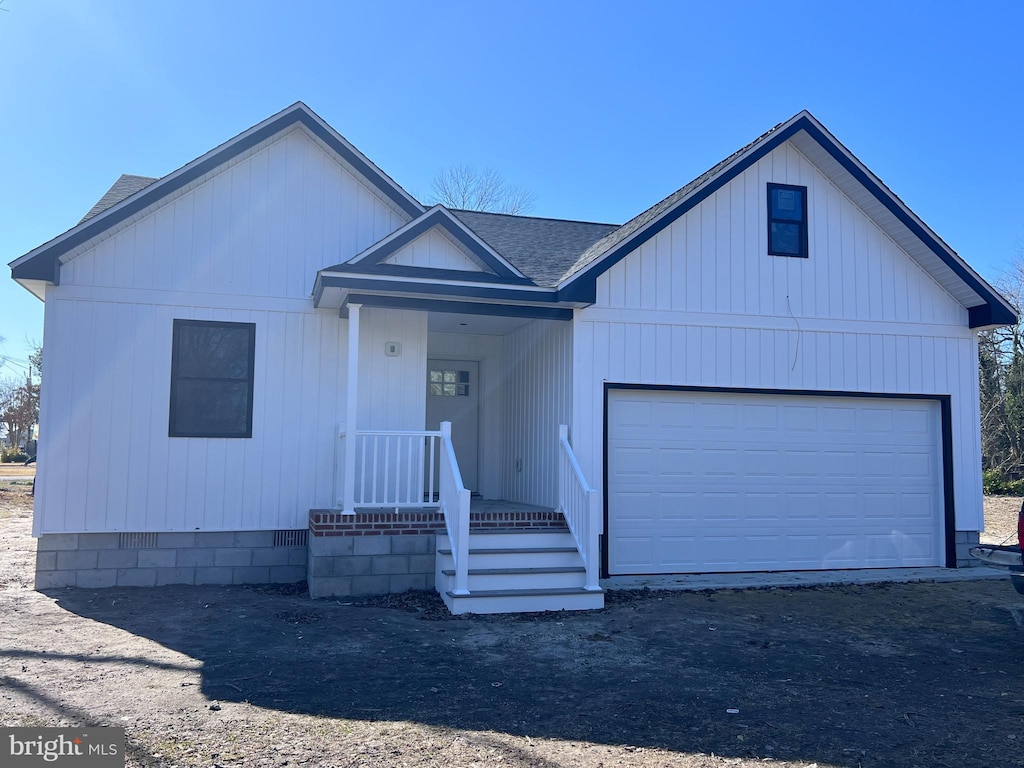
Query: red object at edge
(1020, 530)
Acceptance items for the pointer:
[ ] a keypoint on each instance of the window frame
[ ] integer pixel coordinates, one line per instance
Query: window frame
(803, 224)
(176, 377)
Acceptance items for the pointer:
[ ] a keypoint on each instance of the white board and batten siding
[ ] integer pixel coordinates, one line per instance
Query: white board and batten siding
(434, 250)
(702, 304)
(240, 245)
(538, 361)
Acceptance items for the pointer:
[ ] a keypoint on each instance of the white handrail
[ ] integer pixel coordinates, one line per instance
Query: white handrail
(454, 501)
(580, 506)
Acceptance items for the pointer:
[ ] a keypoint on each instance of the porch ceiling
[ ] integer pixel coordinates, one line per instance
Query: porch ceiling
(488, 325)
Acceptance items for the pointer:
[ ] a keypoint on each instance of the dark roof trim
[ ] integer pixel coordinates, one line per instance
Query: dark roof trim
(438, 216)
(582, 286)
(459, 307)
(427, 273)
(484, 292)
(45, 264)
(996, 309)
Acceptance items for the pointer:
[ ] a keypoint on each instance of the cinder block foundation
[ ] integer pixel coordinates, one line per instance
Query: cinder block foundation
(340, 566)
(964, 541)
(97, 560)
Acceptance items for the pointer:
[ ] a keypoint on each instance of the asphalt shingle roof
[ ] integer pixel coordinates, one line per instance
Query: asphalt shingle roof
(123, 188)
(607, 243)
(542, 249)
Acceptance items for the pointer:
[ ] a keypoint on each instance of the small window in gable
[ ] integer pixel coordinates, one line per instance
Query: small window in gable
(212, 368)
(787, 220)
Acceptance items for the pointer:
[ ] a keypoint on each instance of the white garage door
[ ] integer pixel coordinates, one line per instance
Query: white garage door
(716, 482)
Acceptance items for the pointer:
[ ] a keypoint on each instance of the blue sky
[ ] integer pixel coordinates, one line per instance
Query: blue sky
(600, 108)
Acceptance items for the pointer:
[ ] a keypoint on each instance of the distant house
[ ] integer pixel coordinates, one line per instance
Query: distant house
(275, 364)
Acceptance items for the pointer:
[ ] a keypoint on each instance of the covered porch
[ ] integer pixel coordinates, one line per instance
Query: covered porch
(457, 429)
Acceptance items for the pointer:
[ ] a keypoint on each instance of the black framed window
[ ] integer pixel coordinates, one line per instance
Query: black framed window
(211, 379)
(787, 220)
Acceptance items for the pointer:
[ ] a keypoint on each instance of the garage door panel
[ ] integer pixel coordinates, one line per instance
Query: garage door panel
(759, 417)
(917, 507)
(800, 418)
(916, 465)
(911, 422)
(762, 507)
(634, 507)
(838, 464)
(678, 552)
(875, 420)
(878, 464)
(882, 507)
(800, 464)
(770, 482)
(760, 462)
(676, 507)
(676, 462)
(835, 419)
(635, 552)
(802, 508)
(674, 417)
(842, 508)
(632, 413)
(717, 416)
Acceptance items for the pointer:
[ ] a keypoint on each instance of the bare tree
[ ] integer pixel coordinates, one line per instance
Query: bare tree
(1001, 369)
(19, 409)
(465, 187)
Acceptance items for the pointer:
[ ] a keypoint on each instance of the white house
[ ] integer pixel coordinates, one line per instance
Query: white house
(274, 364)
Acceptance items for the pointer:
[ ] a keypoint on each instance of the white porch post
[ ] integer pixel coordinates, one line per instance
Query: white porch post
(348, 506)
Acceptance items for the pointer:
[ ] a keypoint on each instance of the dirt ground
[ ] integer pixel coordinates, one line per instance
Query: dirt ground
(1001, 519)
(895, 675)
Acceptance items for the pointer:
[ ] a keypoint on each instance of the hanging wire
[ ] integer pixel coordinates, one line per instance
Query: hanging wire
(799, 332)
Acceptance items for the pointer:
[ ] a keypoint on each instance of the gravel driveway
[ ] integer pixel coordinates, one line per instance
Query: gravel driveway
(895, 675)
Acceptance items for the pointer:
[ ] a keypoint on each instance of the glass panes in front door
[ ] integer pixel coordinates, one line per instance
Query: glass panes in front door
(442, 383)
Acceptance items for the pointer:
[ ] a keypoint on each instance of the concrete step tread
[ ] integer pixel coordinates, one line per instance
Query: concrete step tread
(524, 592)
(513, 571)
(513, 550)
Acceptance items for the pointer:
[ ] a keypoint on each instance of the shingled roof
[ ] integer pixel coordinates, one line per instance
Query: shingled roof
(542, 249)
(124, 187)
(608, 242)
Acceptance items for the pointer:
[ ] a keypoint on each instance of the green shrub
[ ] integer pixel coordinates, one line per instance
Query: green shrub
(11, 455)
(995, 483)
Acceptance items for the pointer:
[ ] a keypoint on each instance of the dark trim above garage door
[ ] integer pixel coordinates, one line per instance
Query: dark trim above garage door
(949, 512)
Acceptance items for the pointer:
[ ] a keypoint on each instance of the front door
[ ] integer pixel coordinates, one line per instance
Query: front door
(453, 394)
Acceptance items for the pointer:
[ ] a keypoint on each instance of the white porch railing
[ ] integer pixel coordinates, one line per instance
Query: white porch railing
(454, 500)
(393, 468)
(580, 506)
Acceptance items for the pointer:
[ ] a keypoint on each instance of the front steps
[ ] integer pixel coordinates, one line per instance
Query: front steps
(517, 570)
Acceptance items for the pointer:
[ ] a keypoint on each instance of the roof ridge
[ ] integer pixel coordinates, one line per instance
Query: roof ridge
(536, 218)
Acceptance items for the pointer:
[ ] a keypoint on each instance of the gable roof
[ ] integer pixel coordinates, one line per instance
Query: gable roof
(126, 186)
(568, 256)
(43, 263)
(986, 307)
(372, 260)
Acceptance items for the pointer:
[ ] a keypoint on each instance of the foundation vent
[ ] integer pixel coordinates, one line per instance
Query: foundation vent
(294, 538)
(137, 541)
